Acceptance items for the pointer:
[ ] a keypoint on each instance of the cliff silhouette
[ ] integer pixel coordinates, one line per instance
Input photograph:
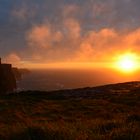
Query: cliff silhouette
(7, 78)
(18, 73)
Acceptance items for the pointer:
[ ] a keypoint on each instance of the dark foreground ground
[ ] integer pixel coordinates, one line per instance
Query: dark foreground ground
(110, 112)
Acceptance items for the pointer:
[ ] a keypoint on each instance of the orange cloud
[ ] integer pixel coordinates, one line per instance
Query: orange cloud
(89, 46)
(85, 53)
(13, 59)
(64, 39)
(73, 29)
(49, 45)
(133, 39)
(42, 36)
(95, 45)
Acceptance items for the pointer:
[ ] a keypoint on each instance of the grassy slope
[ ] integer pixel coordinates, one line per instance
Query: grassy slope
(102, 113)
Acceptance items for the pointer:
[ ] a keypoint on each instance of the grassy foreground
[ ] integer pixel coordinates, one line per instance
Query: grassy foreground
(109, 112)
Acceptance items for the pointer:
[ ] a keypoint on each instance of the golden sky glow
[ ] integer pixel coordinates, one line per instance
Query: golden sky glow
(58, 34)
(67, 65)
(127, 62)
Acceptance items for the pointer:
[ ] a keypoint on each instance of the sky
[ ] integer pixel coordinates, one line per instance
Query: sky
(52, 32)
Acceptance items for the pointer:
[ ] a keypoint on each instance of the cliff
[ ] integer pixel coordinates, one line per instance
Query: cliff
(18, 73)
(7, 78)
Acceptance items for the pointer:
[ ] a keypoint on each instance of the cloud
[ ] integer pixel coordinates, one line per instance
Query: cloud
(20, 14)
(95, 44)
(50, 43)
(13, 59)
(73, 29)
(43, 36)
(71, 45)
(70, 10)
(106, 43)
(133, 39)
(85, 52)
(51, 31)
(23, 12)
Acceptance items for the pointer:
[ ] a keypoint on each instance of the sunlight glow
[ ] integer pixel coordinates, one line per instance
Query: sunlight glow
(127, 62)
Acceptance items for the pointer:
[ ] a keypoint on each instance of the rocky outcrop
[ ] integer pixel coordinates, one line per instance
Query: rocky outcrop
(7, 79)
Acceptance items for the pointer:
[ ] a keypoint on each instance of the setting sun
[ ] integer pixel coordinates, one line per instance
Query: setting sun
(127, 62)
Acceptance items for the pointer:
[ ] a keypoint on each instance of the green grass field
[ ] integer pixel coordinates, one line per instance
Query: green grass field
(109, 112)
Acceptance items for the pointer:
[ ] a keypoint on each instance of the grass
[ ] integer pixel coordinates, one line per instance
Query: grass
(101, 113)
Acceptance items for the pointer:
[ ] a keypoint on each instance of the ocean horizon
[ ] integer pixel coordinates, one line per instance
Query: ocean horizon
(57, 79)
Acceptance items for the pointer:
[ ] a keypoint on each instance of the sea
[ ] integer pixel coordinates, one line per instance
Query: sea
(58, 79)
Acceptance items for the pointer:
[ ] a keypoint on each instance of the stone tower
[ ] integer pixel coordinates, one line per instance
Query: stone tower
(7, 78)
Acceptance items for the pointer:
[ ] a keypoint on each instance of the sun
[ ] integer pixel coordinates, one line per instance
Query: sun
(127, 62)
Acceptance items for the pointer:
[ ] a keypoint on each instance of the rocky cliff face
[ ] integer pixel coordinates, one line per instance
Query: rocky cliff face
(7, 79)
